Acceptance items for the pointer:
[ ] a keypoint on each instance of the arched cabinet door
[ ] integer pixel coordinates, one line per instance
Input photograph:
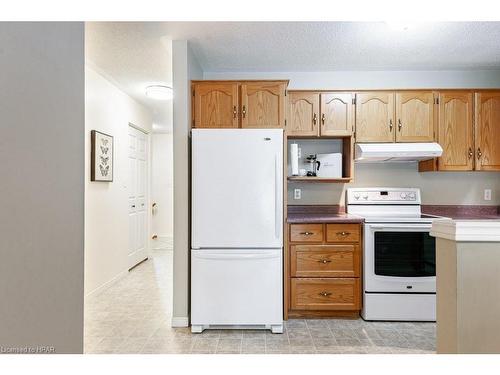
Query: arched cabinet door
(487, 131)
(216, 105)
(303, 114)
(263, 104)
(375, 117)
(456, 131)
(336, 114)
(415, 116)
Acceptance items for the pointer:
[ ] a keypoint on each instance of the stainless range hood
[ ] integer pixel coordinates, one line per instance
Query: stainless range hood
(396, 152)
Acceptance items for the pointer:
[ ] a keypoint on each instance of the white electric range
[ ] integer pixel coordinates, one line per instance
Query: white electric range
(399, 261)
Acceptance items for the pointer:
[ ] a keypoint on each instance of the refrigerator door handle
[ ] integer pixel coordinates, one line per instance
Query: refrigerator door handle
(236, 256)
(277, 198)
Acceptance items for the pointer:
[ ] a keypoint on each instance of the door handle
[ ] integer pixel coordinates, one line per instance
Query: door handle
(323, 118)
(244, 111)
(479, 153)
(390, 125)
(343, 233)
(325, 294)
(307, 233)
(235, 112)
(400, 125)
(324, 261)
(471, 153)
(315, 119)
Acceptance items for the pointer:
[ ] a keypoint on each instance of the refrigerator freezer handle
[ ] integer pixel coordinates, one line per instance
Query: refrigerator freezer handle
(277, 197)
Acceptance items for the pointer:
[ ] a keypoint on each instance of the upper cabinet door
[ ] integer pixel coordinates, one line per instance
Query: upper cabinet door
(303, 113)
(455, 131)
(216, 105)
(415, 116)
(487, 135)
(263, 105)
(375, 117)
(336, 114)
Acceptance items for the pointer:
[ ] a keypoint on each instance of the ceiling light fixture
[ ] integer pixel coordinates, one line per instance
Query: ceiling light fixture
(159, 92)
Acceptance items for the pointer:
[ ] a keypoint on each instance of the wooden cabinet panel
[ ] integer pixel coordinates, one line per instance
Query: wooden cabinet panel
(342, 232)
(336, 114)
(325, 294)
(455, 131)
(375, 117)
(303, 113)
(262, 105)
(487, 131)
(216, 105)
(306, 232)
(324, 261)
(415, 116)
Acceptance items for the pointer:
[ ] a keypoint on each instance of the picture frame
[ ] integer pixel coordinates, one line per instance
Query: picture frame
(101, 157)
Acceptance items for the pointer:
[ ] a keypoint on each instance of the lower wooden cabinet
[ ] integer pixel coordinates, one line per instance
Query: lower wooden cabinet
(324, 269)
(325, 294)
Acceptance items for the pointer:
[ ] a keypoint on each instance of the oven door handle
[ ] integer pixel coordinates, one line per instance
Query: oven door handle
(409, 226)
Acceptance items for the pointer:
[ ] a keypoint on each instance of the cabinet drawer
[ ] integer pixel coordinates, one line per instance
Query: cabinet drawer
(324, 260)
(325, 294)
(306, 232)
(342, 233)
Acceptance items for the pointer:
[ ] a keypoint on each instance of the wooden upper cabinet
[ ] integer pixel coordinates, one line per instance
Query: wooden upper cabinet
(215, 105)
(487, 131)
(375, 117)
(456, 131)
(336, 114)
(263, 104)
(415, 116)
(303, 116)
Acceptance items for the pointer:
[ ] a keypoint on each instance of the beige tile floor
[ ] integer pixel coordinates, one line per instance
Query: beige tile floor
(133, 316)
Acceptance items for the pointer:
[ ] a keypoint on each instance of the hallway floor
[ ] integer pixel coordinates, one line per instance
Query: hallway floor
(133, 316)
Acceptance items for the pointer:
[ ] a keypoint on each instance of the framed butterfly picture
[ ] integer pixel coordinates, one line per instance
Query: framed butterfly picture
(101, 157)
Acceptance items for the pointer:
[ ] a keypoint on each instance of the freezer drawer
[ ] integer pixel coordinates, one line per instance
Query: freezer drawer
(236, 287)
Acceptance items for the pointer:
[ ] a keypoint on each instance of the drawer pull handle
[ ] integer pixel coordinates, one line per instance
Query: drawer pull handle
(324, 261)
(325, 294)
(307, 233)
(343, 233)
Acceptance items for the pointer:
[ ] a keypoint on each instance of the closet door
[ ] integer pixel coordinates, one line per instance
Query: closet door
(137, 197)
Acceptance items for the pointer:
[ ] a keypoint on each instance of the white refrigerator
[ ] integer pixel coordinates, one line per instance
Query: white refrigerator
(236, 229)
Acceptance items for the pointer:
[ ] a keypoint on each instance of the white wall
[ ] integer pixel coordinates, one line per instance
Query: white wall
(162, 185)
(41, 185)
(437, 188)
(109, 110)
(185, 68)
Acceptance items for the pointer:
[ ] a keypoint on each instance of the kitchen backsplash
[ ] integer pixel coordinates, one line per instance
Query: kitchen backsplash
(457, 188)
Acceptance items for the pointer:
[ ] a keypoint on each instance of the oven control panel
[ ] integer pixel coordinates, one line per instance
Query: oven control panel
(383, 196)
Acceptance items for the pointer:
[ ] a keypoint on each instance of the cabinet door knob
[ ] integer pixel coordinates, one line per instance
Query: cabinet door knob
(390, 125)
(324, 261)
(471, 153)
(325, 294)
(307, 233)
(343, 233)
(400, 125)
(235, 112)
(479, 153)
(315, 119)
(323, 118)
(244, 111)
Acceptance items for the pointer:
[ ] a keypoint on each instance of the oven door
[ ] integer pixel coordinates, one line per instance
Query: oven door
(399, 258)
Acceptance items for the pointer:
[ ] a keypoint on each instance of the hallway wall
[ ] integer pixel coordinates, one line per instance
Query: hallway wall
(109, 110)
(42, 186)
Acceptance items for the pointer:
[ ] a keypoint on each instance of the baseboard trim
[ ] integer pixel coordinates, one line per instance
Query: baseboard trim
(106, 285)
(180, 321)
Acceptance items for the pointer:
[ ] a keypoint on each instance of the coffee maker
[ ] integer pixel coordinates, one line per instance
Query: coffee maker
(313, 165)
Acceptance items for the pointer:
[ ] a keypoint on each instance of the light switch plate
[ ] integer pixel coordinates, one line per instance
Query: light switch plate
(297, 193)
(487, 194)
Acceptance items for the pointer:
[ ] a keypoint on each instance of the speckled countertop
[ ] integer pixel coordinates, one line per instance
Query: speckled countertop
(320, 214)
(463, 212)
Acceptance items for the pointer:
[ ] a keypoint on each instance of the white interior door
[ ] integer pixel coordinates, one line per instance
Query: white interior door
(137, 196)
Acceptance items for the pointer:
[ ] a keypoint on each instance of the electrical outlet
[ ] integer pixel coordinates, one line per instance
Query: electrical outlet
(487, 194)
(297, 193)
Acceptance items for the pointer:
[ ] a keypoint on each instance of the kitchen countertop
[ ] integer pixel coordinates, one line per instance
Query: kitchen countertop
(320, 214)
(464, 212)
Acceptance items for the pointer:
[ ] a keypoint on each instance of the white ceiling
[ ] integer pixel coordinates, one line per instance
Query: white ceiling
(325, 46)
(135, 54)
